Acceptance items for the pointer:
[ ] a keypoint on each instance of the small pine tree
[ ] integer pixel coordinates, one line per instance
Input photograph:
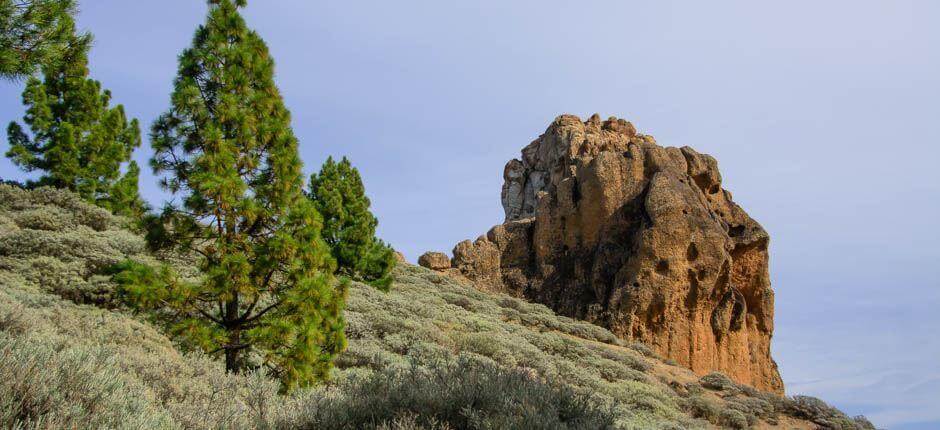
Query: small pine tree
(35, 33)
(348, 226)
(268, 297)
(78, 141)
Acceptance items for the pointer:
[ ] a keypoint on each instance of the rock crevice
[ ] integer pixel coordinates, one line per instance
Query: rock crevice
(605, 225)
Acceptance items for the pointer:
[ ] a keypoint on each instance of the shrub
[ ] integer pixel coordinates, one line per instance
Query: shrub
(51, 386)
(817, 411)
(753, 406)
(52, 239)
(718, 381)
(125, 365)
(466, 395)
(734, 419)
(700, 406)
(419, 323)
(642, 349)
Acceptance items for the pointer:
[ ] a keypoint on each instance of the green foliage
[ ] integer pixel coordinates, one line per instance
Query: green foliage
(78, 141)
(427, 319)
(34, 33)
(267, 297)
(120, 372)
(124, 196)
(348, 225)
(466, 395)
(75, 366)
(161, 290)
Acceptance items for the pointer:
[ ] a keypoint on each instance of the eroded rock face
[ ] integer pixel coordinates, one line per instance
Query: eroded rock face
(605, 225)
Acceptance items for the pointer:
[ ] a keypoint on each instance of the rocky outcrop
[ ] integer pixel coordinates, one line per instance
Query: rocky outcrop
(434, 261)
(604, 225)
(400, 258)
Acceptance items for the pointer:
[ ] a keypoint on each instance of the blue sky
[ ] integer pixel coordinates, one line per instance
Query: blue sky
(823, 115)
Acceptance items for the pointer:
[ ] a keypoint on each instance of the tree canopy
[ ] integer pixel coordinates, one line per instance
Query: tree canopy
(226, 149)
(348, 225)
(77, 139)
(35, 33)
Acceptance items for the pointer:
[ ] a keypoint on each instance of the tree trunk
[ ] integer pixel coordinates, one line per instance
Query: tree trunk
(233, 354)
(234, 348)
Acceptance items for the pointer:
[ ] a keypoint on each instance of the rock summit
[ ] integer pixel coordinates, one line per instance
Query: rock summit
(605, 225)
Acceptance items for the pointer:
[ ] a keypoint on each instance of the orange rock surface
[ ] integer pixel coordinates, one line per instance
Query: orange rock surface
(604, 225)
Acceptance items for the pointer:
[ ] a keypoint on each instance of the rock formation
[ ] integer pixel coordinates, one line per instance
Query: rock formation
(400, 258)
(604, 225)
(434, 261)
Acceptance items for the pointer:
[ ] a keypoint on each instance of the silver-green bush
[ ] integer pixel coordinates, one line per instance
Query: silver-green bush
(470, 394)
(46, 384)
(111, 369)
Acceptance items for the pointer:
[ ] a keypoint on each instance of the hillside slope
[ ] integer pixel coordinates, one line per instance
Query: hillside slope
(433, 353)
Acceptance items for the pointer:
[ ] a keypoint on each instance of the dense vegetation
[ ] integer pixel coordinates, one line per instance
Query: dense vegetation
(348, 226)
(235, 308)
(266, 298)
(414, 353)
(77, 141)
(35, 33)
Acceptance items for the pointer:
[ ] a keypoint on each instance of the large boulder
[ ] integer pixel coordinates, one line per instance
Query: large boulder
(604, 225)
(434, 261)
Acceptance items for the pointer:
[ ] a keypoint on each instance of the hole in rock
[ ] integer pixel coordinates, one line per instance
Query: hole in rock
(692, 252)
(736, 231)
(662, 267)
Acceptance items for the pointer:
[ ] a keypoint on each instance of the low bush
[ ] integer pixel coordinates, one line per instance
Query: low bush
(72, 366)
(817, 411)
(469, 394)
(402, 369)
(700, 406)
(45, 385)
(734, 419)
(718, 382)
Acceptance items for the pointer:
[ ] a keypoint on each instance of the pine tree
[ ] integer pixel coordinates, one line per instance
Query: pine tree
(35, 33)
(78, 141)
(268, 297)
(348, 226)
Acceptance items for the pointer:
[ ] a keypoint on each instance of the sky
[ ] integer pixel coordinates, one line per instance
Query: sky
(824, 116)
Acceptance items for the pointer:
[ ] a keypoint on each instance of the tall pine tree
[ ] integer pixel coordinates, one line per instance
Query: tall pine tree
(268, 297)
(348, 226)
(35, 33)
(78, 141)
